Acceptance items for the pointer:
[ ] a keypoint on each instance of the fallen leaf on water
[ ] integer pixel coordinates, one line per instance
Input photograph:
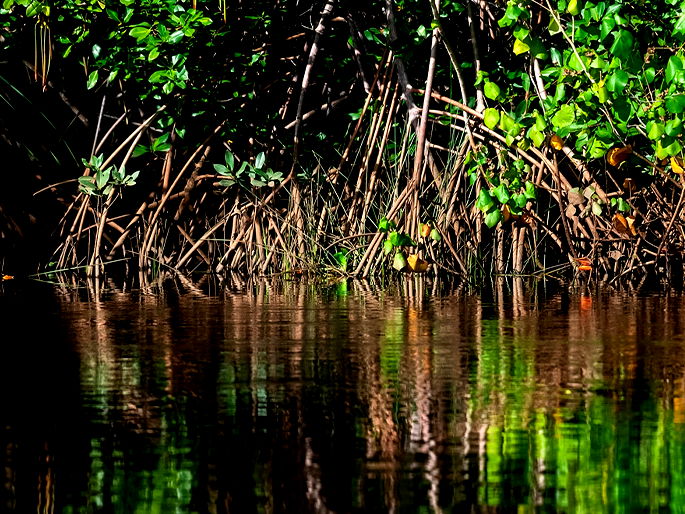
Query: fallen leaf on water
(416, 263)
(8, 277)
(556, 142)
(616, 156)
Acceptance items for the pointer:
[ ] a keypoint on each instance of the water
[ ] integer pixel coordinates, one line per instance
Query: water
(342, 398)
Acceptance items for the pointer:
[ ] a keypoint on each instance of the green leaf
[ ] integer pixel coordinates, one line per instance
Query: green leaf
(674, 68)
(623, 44)
(92, 80)
(617, 81)
(387, 247)
(259, 160)
(564, 116)
(654, 130)
(596, 209)
(491, 91)
(484, 202)
(341, 258)
(536, 136)
(674, 127)
(520, 47)
(221, 169)
(102, 177)
(139, 32)
(385, 224)
(493, 218)
(675, 104)
(399, 262)
(230, 160)
(491, 116)
(435, 235)
(622, 205)
(501, 192)
(529, 191)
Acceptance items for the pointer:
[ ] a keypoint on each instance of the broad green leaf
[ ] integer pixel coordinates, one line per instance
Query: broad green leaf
(536, 136)
(675, 104)
(654, 130)
(623, 44)
(491, 117)
(491, 91)
(674, 127)
(573, 7)
(501, 192)
(617, 81)
(674, 68)
(529, 191)
(139, 33)
(493, 218)
(484, 202)
(608, 24)
(564, 116)
(387, 247)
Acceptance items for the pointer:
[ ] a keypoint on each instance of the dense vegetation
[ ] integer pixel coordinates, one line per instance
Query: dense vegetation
(479, 136)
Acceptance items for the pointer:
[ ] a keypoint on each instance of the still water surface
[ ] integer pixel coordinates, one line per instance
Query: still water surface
(294, 398)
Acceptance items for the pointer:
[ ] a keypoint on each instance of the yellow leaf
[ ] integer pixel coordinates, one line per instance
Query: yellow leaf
(556, 142)
(677, 165)
(616, 156)
(416, 263)
(520, 47)
(631, 224)
(620, 224)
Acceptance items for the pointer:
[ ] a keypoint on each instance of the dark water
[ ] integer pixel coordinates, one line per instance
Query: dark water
(300, 398)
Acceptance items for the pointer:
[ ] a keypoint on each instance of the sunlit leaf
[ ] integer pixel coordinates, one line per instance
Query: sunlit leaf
(616, 156)
(520, 47)
(491, 117)
(417, 264)
(399, 262)
(677, 165)
(556, 142)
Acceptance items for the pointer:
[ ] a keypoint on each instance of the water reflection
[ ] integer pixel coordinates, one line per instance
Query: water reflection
(342, 398)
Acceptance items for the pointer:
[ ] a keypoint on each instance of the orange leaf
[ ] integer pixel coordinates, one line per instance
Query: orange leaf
(583, 261)
(416, 263)
(616, 156)
(620, 224)
(585, 267)
(425, 230)
(7, 277)
(677, 165)
(556, 142)
(631, 224)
